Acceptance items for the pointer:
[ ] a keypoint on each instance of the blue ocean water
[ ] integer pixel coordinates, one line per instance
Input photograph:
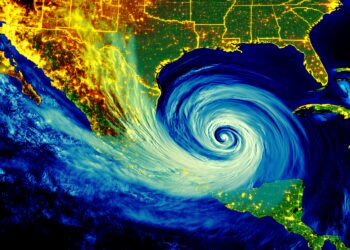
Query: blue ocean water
(230, 112)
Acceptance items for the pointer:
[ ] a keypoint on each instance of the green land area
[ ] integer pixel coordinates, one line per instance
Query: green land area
(162, 31)
(323, 108)
(281, 200)
(207, 23)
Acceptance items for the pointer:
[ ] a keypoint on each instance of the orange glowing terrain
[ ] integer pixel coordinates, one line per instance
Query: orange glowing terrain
(74, 41)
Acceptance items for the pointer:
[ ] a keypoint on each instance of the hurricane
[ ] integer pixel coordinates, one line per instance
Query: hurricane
(214, 128)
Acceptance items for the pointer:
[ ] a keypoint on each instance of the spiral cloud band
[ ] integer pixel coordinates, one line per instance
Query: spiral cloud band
(236, 133)
(217, 127)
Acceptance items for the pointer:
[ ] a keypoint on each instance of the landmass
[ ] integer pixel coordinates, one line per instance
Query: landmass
(281, 200)
(56, 35)
(322, 109)
(8, 66)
